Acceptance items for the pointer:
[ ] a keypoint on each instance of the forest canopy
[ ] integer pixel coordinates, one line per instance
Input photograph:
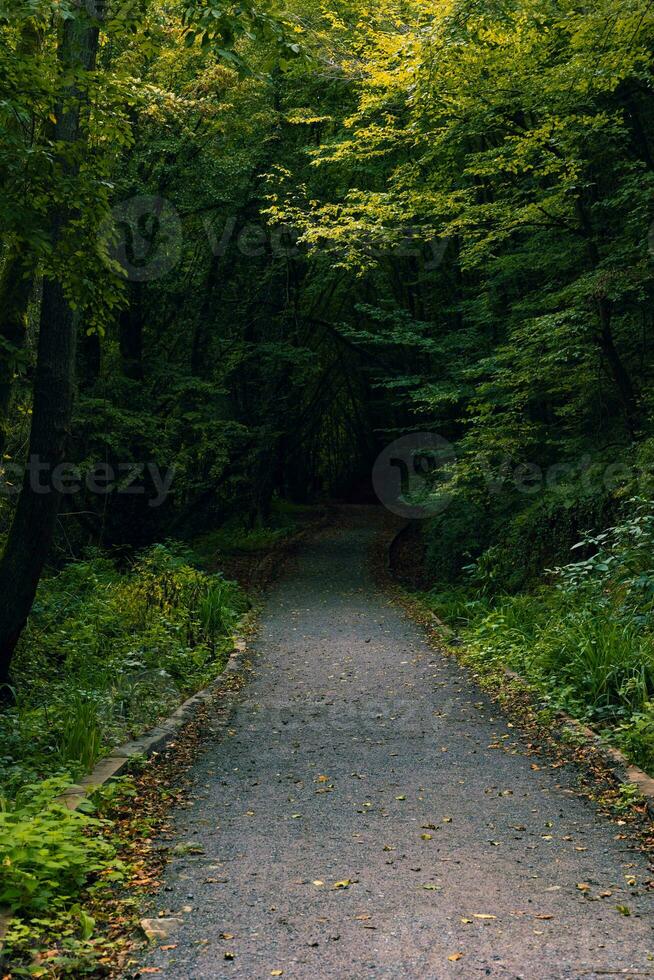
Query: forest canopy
(244, 246)
(259, 261)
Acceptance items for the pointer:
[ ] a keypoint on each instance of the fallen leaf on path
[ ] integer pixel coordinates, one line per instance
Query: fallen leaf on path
(165, 949)
(483, 915)
(623, 909)
(343, 884)
(455, 956)
(427, 836)
(181, 850)
(583, 886)
(318, 883)
(276, 973)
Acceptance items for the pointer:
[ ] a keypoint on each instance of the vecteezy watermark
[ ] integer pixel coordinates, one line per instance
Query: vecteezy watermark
(102, 479)
(410, 476)
(144, 235)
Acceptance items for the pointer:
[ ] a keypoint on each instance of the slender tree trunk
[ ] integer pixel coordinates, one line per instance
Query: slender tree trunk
(35, 518)
(130, 331)
(618, 371)
(15, 290)
(605, 337)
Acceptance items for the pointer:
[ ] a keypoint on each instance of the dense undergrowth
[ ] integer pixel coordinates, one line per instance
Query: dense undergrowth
(582, 634)
(109, 649)
(106, 653)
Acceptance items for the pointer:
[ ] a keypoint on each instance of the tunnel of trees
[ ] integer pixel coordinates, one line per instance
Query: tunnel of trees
(245, 246)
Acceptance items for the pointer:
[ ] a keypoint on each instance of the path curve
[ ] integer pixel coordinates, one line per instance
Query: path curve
(358, 755)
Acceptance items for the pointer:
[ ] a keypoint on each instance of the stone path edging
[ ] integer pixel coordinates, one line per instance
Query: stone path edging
(118, 762)
(157, 738)
(624, 771)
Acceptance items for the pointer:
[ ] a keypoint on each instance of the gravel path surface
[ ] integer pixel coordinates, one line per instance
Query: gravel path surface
(364, 812)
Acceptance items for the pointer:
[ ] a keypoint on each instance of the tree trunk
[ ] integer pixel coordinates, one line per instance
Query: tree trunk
(130, 334)
(35, 518)
(15, 290)
(16, 280)
(618, 371)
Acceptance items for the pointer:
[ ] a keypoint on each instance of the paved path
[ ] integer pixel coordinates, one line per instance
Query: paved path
(357, 754)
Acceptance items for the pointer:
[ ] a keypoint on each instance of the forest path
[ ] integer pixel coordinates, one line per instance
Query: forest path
(352, 741)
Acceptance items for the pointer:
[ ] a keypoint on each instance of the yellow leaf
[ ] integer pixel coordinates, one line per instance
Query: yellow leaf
(483, 915)
(276, 973)
(343, 884)
(455, 956)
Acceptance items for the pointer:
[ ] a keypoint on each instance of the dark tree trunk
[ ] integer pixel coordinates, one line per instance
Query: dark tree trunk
(90, 360)
(130, 339)
(618, 371)
(15, 291)
(34, 523)
(16, 280)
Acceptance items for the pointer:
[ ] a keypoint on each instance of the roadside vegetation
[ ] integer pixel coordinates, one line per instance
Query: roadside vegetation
(246, 246)
(582, 633)
(107, 652)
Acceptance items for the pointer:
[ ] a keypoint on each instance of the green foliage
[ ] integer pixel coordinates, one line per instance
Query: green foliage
(587, 639)
(107, 652)
(454, 539)
(47, 852)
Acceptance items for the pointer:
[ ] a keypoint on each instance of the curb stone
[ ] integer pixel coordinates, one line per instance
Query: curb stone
(156, 739)
(624, 771)
(146, 745)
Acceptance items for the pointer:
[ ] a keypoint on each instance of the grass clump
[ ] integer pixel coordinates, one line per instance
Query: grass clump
(107, 652)
(585, 639)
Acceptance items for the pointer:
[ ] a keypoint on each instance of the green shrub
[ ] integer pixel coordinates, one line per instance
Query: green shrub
(586, 639)
(47, 852)
(109, 651)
